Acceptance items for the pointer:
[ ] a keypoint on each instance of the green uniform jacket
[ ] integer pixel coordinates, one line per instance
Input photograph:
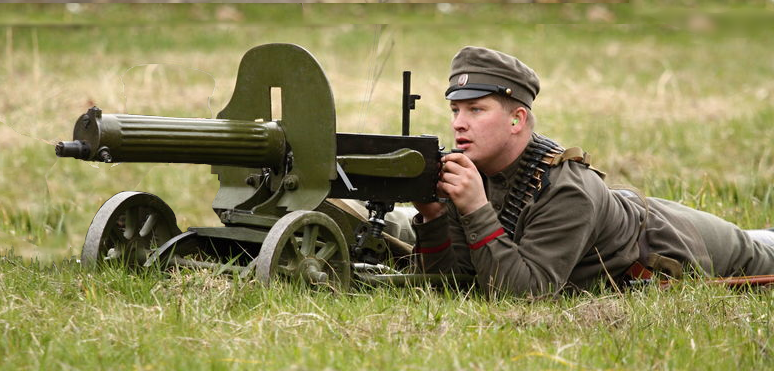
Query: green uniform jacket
(579, 231)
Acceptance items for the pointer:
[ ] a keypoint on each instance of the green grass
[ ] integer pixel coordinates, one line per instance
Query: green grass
(62, 317)
(678, 107)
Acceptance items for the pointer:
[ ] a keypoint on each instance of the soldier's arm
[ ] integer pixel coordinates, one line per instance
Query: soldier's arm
(440, 246)
(557, 233)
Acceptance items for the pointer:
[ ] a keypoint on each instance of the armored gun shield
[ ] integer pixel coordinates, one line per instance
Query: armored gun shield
(307, 107)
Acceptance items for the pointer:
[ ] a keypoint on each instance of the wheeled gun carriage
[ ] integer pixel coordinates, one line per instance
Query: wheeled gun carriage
(282, 182)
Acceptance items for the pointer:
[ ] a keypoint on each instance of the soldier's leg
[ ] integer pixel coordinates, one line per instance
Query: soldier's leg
(733, 251)
(399, 224)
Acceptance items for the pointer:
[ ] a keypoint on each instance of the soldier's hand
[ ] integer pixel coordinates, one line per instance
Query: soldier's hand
(462, 182)
(430, 210)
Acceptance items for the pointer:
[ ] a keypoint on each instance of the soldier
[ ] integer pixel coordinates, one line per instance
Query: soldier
(530, 217)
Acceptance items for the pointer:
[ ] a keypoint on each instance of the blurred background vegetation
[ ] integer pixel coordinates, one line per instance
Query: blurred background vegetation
(676, 100)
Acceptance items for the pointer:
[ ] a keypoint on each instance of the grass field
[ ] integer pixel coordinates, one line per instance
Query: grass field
(676, 102)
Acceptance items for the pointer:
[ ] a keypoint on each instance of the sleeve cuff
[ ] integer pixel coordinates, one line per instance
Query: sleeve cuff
(432, 236)
(480, 224)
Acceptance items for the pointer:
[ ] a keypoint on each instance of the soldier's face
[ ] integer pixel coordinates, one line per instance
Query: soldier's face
(482, 128)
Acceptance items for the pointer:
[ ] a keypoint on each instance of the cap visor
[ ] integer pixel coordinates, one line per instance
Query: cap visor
(463, 94)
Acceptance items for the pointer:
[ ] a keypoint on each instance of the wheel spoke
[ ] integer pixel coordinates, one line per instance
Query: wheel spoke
(327, 252)
(295, 249)
(130, 222)
(147, 227)
(310, 239)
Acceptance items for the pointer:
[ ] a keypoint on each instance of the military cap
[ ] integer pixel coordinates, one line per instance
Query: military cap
(476, 72)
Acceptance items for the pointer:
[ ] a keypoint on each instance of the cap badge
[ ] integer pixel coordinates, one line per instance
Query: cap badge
(462, 80)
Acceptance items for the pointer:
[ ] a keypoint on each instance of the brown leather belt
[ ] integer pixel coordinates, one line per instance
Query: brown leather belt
(637, 271)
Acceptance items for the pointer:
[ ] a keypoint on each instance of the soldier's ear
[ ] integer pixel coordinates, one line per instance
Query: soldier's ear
(518, 119)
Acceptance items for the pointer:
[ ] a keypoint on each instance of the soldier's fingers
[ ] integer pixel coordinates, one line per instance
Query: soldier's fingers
(450, 178)
(453, 157)
(452, 167)
(455, 191)
(442, 188)
(459, 158)
(450, 189)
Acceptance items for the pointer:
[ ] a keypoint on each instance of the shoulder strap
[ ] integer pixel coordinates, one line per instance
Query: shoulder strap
(578, 155)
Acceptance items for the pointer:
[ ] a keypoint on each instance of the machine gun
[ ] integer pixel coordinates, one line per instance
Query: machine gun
(280, 180)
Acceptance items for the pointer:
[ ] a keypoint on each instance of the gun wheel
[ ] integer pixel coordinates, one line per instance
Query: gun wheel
(127, 228)
(304, 245)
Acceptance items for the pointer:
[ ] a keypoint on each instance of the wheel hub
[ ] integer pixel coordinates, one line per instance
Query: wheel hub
(312, 271)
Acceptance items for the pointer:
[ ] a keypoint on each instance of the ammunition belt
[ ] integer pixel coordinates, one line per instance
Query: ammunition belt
(530, 180)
